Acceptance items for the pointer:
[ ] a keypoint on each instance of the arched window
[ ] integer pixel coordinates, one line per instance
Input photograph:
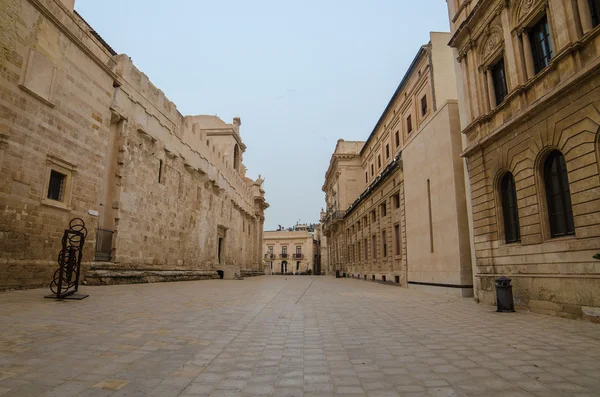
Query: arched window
(510, 212)
(236, 157)
(558, 196)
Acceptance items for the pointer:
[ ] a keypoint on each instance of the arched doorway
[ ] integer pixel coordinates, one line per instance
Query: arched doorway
(284, 267)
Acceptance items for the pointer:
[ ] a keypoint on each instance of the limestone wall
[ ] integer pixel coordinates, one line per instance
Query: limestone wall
(55, 94)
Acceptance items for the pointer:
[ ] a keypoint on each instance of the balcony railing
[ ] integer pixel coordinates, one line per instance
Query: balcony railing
(298, 256)
(334, 217)
(270, 256)
(283, 256)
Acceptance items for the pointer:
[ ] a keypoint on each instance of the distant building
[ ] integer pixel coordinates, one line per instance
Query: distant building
(291, 251)
(396, 206)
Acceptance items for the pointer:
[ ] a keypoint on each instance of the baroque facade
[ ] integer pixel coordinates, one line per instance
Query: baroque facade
(529, 87)
(291, 251)
(84, 133)
(396, 205)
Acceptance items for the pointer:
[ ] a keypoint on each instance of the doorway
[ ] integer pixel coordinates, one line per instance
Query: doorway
(221, 274)
(284, 267)
(219, 249)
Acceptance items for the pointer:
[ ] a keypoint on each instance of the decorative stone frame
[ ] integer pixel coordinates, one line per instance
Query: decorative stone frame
(65, 168)
(492, 49)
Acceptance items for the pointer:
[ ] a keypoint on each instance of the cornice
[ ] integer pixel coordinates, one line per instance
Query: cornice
(76, 40)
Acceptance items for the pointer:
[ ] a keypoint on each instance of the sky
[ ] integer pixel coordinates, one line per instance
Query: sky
(301, 74)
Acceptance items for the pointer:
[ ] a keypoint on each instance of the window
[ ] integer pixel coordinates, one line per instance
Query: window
(373, 216)
(372, 170)
(56, 185)
(397, 239)
(366, 177)
(379, 161)
(595, 9)
(558, 196)
(424, 105)
(387, 151)
(366, 250)
(409, 124)
(359, 251)
(358, 225)
(374, 246)
(541, 47)
(160, 171)
(396, 200)
(499, 79)
(383, 209)
(397, 138)
(298, 249)
(365, 221)
(384, 240)
(509, 209)
(284, 250)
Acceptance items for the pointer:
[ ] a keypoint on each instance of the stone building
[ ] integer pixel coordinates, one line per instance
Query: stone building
(290, 251)
(529, 85)
(83, 133)
(396, 205)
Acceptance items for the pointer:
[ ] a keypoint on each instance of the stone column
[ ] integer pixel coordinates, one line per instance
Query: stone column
(528, 54)
(585, 15)
(491, 89)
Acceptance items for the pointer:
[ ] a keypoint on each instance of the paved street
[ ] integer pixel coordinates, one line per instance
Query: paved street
(300, 336)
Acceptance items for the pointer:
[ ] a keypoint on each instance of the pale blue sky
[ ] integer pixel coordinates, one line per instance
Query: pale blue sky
(300, 74)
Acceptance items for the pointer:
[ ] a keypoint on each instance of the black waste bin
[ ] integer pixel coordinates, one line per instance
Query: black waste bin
(337, 274)
(504, 296)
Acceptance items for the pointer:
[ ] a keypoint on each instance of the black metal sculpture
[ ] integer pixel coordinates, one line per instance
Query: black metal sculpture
(65, 282)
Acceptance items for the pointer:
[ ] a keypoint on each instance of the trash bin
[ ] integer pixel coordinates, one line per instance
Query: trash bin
(337, 274)
(504, 296)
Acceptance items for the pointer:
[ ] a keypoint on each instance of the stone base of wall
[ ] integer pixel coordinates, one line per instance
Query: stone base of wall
(25, 274)
(462, 292)
(111, 273)
(252, 273)
(547, 296)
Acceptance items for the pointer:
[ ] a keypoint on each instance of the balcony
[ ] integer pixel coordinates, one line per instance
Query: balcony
(332, 218)
(283, 256)
(298, 256)
(270, 256)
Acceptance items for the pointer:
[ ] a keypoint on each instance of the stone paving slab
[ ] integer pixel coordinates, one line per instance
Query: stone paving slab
(286, 336)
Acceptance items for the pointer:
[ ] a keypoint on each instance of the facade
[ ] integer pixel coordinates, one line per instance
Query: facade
(529, 86)
(84, 133)
(290, 251)
(396, 204)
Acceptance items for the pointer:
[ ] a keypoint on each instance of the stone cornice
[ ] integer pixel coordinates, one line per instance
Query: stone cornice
(42, 7)
(467, 27)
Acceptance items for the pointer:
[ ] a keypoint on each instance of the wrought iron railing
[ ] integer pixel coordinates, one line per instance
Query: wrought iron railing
(283, 256)
(298, 256)
(104, 245)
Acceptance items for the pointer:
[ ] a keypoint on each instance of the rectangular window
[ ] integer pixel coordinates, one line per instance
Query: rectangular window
(366, 250)
(373, 216)
(365, 221)
(383, 209)
(56, 186)
(595, 9)
(424, 105)
(298, 249)
(499, 79)
(387, 151)
(384, 245)
(397, 138)
(372, 170)
(397, 239)
(284, 250)
(396, 200)
(358, 225)
(379, 161)
(366, 177)
(409, 124)
(374, 246)
(541, 47)
(160, 171)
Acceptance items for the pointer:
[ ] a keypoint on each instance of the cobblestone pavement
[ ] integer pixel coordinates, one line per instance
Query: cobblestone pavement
(300, 336)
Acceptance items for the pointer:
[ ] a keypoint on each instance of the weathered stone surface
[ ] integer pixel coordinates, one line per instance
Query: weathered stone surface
(155, 188)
